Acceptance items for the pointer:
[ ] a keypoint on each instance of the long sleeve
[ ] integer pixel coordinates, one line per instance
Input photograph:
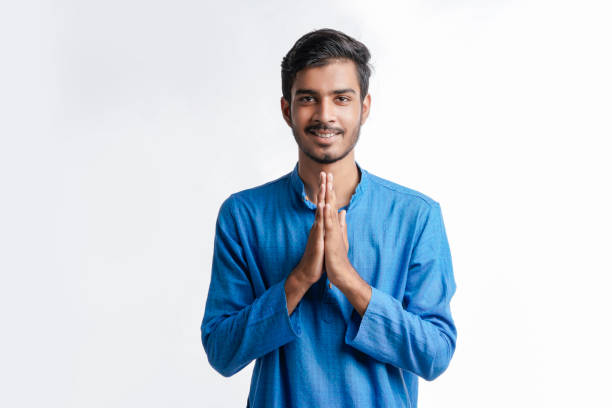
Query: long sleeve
(421, 336)
(239, 327)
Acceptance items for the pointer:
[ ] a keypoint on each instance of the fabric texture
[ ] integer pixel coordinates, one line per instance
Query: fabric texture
(325, 354)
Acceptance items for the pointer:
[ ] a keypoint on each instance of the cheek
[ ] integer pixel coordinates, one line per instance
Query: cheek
(350, 118)
(300, 118)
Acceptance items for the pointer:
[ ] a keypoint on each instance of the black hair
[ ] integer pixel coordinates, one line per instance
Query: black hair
(317, 48)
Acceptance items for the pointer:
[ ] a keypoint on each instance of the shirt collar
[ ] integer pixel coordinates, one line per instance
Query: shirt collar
(297, 186)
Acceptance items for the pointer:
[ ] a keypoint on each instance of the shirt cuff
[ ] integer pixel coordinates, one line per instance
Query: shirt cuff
(362, 331)
(289, 325)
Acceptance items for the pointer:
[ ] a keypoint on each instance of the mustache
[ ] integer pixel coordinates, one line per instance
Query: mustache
(323, 127)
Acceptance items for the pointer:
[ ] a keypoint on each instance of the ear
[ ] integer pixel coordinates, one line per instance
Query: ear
(365, 108)
(286, 111)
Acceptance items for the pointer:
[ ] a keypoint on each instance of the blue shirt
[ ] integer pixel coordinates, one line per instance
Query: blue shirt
(325, 354)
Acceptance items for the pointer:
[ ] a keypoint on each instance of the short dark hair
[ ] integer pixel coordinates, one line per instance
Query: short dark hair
(317, 48)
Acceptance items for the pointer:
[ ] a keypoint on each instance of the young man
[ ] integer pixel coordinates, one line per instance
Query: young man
(336, 281)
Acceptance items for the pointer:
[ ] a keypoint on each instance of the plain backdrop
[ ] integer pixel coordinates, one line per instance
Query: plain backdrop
(125, 124)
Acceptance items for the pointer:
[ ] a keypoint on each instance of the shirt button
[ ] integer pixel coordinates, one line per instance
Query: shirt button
(330, 285)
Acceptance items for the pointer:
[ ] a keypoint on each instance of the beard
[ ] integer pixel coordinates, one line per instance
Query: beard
(326, 158)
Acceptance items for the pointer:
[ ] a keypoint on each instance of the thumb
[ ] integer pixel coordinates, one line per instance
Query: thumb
(343, 225)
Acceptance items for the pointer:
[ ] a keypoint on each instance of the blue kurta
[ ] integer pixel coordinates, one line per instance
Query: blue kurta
(325, 354)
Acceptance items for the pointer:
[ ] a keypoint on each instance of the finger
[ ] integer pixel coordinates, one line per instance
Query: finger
(321, 212)
(344, 228)
(322, 187)
(317, 221)
(331, 193)
(328, 218)
(320, 220)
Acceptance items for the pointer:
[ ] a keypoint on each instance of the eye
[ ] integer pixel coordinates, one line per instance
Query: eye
(306, 98)
(344, 99)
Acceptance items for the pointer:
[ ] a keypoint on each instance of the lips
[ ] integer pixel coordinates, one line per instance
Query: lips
(324, 135)
(324, 138)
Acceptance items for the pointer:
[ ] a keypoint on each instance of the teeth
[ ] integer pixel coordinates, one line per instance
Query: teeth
(325, 135)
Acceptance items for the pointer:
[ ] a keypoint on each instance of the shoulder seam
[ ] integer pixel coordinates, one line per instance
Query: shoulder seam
(430, 202)
(261, 186)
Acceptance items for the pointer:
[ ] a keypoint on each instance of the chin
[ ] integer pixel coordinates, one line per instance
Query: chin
(325, 158)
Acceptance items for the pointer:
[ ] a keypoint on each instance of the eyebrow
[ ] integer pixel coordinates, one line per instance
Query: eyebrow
(312, 92)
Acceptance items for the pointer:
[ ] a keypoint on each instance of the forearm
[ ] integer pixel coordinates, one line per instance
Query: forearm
(295, 288)
(391, 334)
(357, 291)
(232, 340)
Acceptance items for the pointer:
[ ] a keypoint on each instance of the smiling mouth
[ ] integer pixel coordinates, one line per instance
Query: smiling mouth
(326, 134)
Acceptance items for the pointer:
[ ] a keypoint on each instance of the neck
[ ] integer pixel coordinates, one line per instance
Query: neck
(345, 172)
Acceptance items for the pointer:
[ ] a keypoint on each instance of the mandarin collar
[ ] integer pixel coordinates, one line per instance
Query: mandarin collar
(300, 192)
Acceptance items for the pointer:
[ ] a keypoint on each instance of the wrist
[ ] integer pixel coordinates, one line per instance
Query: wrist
(300, 279)
(346, 277)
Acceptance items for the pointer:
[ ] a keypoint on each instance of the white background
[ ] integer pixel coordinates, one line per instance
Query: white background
(125, 124)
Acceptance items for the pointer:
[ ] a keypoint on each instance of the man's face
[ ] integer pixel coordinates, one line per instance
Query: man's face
(326, 112)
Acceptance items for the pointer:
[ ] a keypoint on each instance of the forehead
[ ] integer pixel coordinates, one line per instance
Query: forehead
(336, 74)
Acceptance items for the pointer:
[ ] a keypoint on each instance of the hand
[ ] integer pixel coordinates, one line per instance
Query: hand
(310, 268)
(337, 264)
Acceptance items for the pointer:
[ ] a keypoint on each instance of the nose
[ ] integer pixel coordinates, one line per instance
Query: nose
(325, 111)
